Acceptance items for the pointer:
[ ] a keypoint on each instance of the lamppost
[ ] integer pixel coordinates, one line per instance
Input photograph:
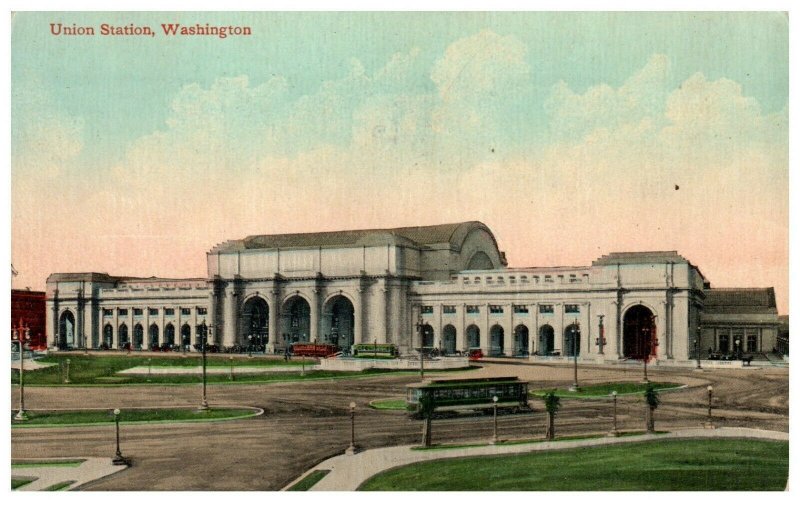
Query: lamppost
(66, 370)
(737, 344)
(352, 450)
(421, 329)
(118, 459)
(614, 432)
(575, 335)
(601, 340)
(709, 423)
(204, 403)
(20, 416)
(697, 349)
(494, 408)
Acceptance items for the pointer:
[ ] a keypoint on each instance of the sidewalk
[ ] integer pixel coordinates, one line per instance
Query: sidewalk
(348, 472)
(91, 469)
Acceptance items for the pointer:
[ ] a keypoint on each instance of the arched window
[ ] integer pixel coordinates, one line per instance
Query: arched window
(546, 340)
(449, 340)
(108, 336)
(473, 337)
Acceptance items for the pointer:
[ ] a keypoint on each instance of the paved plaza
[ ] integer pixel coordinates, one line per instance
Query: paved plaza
(306, 423)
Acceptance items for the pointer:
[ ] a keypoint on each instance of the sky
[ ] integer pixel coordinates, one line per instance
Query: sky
(571, 135)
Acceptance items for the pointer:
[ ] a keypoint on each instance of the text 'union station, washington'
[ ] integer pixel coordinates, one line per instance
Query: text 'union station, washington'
(447, 285)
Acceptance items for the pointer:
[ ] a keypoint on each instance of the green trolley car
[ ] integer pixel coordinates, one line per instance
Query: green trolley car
(456, 394)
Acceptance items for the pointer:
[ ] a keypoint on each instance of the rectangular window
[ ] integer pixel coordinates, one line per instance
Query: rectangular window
(473, 309)
(724, 343)
(108, 312)
(571, 309)
(448, 309)
(186, 312)
(520, 309)
(169, 312)
(122, 312)
(138, 312)
(752, 343)
(201, 311)
(545, 309)
(152, 312)
(427, 309)
(495, 309)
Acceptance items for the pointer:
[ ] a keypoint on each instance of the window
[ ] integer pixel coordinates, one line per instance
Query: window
(473, 309)
(152, 312)
(108, 312)
(724, 343)
(500, 280)
(495, 309)
(427, 309)
(512, 279)
(186, 312)
(122, 312)
(449, 309)
(571, 309)
(466, 280)
(520, 309)
(169, 312)
(545, 309)
(524, 279)
(752, 343)
(548, 278)
(137, 312)
(202, 311)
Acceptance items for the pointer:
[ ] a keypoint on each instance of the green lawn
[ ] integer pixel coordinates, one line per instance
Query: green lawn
(605, 389)
(19, 481)
(49, 463)
(692, 465)
(310, 480)
(128, 415)
(59, 486)
(389, 404)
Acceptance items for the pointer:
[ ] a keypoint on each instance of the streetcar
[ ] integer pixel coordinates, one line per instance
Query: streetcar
(475, 393)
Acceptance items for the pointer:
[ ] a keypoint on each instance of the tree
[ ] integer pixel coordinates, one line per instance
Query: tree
(426, 407)
(552, 404)
(652, 401)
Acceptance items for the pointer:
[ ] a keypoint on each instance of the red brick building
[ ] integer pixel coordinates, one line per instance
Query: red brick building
(28, 309)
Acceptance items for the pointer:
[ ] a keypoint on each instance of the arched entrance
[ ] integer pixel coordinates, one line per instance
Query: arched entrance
(153, 335)
(255, 321)
(122, 336)
(108, 336)
(186, 335)
(546, 340)
(66, 330)
(169, 334)
(639, 333)
(427, 336)
(296, 320)
(497, 340)
(338, 320)
(521, 341)
(473, 337)
(138, 336)
(449, 340)
(572, 339)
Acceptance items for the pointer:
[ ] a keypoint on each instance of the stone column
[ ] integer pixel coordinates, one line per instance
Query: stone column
(211, 313)
(79, 319)
(381, 294)
(438, 338)
(508, 332)
(358, 315)
(314, 328)
(274, 314)
(54, 317)
(461, 335)
(230, 318)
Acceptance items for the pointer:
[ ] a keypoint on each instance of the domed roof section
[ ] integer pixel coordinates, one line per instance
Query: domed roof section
(414, 236)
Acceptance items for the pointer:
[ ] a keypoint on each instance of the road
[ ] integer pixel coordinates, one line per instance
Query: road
(305, 423)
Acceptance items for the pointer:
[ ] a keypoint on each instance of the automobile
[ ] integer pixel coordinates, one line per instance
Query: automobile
(475, 353)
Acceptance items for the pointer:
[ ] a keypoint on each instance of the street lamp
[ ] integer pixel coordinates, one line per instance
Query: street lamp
(601, 340)
(118, 459)
(494, 407)
(352, 450)
(614, 432)
(575, 335)
(709, 423)
(66, 371)
(204, 403)
(20, 416)
(737, 343)
(421, 329)
(646, 355)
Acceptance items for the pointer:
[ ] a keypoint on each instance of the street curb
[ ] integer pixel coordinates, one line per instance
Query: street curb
(257, 411)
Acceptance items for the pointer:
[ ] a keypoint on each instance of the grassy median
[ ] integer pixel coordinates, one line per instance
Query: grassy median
(686, 464)
(605, 389)
(156, 415)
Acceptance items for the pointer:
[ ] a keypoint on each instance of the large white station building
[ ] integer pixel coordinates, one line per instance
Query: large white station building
(446, 285)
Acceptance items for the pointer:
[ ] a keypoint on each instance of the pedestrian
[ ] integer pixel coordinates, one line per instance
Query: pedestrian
(286, 354)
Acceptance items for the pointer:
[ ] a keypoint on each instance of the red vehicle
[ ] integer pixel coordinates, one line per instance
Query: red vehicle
(316, 350)
(475, 354)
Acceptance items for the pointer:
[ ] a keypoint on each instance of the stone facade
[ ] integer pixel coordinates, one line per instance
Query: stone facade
(446, 285)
